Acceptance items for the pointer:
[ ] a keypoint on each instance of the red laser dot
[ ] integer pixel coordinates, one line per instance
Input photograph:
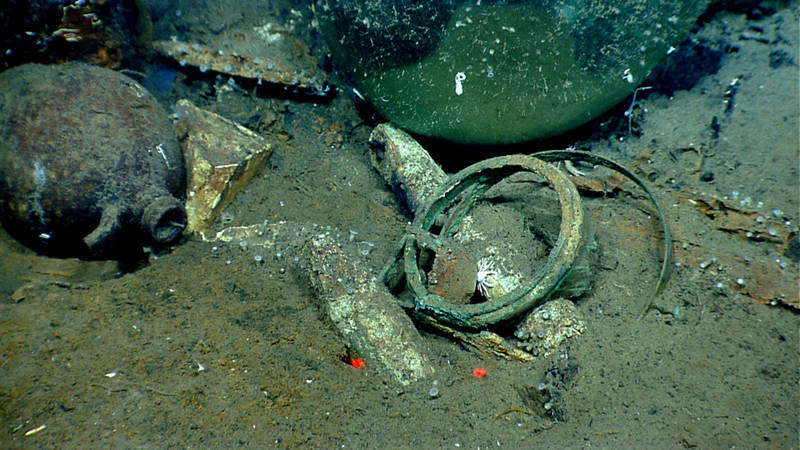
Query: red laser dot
(358, 363)
(479, 372)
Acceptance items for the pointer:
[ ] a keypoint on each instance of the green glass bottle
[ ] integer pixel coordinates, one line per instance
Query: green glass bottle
(497, 72)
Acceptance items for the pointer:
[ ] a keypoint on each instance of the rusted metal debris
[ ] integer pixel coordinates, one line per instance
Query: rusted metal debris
(289, 65)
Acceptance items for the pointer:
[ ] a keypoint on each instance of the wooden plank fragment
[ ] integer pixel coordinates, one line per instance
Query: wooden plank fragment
(297, 70)
(221, 158)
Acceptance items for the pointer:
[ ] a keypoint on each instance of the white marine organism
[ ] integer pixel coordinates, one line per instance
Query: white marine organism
(485, 270)
(460, 76)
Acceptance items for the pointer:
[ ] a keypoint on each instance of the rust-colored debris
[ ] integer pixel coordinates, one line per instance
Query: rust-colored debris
(485, 341)
(760, 278)
(767, 277)
(86, 33)
(296, 69)
(735, 217)
(610, 185)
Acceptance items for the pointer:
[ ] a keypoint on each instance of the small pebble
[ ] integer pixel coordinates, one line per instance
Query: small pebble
(433, 392)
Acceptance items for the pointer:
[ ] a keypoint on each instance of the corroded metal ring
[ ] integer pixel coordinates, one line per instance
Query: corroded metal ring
(474, 181)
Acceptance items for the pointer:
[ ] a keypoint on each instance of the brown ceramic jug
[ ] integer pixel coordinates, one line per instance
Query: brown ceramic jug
(88, 161)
